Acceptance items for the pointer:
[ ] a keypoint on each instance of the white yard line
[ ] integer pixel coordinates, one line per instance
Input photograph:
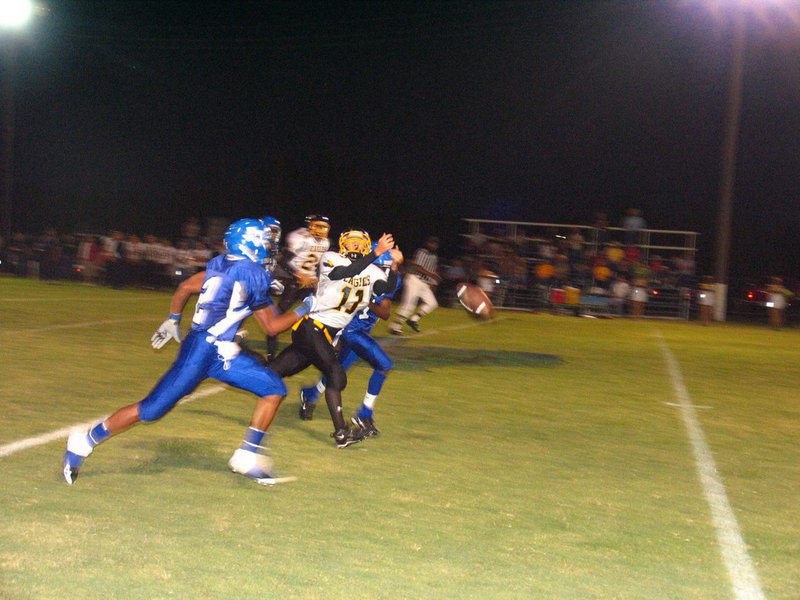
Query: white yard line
(24, 299)
(46, 438)
(741, 572)
(76, 325)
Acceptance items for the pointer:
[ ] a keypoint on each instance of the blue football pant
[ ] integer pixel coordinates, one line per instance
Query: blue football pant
(198, 360)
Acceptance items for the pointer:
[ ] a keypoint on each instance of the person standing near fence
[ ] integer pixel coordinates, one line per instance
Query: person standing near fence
(776, 302)
(705, 300)
(419, 285)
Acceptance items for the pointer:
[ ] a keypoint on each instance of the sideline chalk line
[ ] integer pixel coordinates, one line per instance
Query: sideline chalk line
(46, 438)
(741, 572)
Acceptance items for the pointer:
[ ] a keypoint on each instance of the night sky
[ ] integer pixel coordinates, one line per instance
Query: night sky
(406, 117)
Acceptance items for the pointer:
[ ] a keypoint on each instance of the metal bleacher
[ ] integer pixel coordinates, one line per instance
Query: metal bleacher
(667, 298)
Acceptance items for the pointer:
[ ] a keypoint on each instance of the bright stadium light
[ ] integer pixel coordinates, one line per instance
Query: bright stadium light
(15, 14)
(765, 12)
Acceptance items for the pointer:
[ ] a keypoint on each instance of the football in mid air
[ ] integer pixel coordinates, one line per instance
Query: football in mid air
(475, 300)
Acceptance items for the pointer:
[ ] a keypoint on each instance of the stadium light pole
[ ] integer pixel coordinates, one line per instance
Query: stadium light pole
(730, 143)
(14, 16)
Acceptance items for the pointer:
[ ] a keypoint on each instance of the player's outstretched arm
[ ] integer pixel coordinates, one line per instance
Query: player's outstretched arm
(383, 309)
(397, 258)
(171, 328)
(273, 323)
(192, 285)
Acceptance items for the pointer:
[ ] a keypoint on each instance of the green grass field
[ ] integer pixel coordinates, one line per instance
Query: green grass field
(536, 456)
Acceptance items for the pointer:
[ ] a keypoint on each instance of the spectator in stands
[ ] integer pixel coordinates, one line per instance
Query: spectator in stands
(548, 249)
(200, 256)
(632, 254)
(659, 271)
(133, 251)
(620, 292)
(602, 235)
(705, 300)
(685, 267)
(17, 254)
(190, 232)
(561, 270)
(639, 296)
(575, 242)
(88, 257)
(113, 255)
(487, 280)
(633, 223)
(543, 275)
(51, 250)
(614, 256)
(601, 274)
(776, 302)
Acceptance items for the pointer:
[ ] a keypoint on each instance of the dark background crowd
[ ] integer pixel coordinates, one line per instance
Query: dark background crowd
(115, 258)
(534, 268)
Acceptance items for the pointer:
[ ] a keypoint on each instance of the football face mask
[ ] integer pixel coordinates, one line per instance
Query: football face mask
(354, 243)
(272, 233)
(318, 226)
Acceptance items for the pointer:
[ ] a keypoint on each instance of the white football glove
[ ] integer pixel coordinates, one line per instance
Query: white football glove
(276, 287)
(307, 306)
(311, 303)
(169, 329)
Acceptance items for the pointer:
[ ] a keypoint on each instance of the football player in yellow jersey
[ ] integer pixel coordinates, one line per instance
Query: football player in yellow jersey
(347, 281)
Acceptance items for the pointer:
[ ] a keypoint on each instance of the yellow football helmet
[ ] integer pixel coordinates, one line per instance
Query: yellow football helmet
(354, 243)
(318, 226)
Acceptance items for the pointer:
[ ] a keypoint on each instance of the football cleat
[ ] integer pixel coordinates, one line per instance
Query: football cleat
(254, 465)
(395, 330)
(366, 424)
(78, 448)
(413, 324)
(306, 408)
(348, 437)
(272, 480)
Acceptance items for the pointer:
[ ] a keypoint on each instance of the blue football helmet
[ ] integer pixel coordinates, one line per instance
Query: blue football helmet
(245, 238)
(272, 233)
(384, 260)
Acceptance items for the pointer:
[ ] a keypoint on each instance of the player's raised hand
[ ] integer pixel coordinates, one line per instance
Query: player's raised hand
(397, 256)
(386, 242)
(168, 330)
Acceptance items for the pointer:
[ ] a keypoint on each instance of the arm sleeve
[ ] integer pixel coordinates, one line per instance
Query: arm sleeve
(384, 286)
(354, 268)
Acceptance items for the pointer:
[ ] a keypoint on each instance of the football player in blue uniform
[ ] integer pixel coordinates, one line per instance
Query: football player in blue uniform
(356, 342)
(235, 284)
(170, 329)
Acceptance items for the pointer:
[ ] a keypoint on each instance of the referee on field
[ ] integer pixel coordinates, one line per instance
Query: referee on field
(419, 284)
